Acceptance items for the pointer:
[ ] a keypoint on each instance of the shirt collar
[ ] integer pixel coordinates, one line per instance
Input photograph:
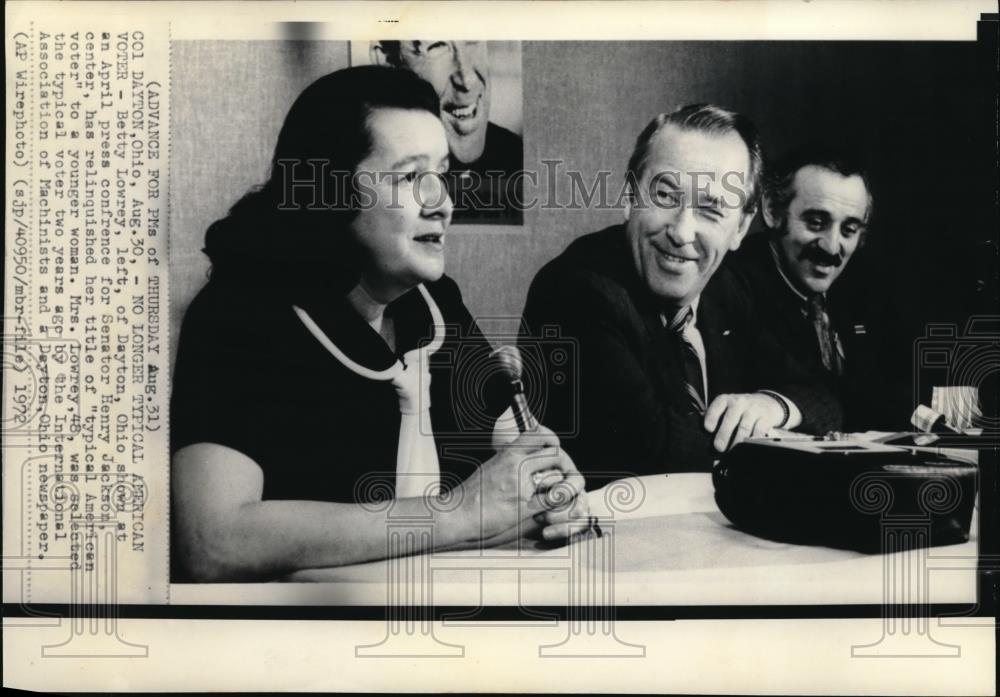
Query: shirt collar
(415, 313)
(675, 321)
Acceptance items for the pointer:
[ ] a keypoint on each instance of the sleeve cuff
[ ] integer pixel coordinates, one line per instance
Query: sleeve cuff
(793, 417)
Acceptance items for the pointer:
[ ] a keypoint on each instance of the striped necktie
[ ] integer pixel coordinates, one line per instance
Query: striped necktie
(694, 378)
(825, 335)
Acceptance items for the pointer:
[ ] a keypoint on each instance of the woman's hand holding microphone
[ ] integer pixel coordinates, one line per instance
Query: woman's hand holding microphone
(530, 488)
(512, 494)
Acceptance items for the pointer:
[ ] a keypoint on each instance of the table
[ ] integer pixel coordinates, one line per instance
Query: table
(669, 546)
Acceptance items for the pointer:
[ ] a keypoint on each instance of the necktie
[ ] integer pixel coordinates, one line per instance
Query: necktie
(417, 469)
(694, 379)
(825, 334)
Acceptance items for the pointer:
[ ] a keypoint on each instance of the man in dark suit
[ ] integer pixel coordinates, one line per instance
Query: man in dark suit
(672, 368)
(817, 205)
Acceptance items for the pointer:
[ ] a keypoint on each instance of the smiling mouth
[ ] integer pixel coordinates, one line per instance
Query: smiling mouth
(432, 238)
(463, 112)
(673, 258)
(824, 269)
(676, 259)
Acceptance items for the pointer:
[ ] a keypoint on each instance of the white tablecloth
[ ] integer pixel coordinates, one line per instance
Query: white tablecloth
(672, 546)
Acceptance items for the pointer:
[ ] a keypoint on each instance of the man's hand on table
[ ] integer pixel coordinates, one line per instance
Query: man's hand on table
(735, 417)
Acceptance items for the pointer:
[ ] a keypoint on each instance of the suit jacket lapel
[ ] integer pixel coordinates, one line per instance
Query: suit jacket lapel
(653, 336)
(719, 337)
(664, 358)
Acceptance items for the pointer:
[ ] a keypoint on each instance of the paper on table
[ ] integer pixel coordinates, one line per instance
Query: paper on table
(959, 404)
(667, 494)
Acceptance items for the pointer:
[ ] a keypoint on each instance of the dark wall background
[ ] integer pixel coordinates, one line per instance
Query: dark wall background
(913, 107)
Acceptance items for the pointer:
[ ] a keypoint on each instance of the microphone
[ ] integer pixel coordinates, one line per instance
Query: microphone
(511, 368)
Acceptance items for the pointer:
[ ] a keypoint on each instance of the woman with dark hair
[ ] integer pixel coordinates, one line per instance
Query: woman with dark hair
(319, 370)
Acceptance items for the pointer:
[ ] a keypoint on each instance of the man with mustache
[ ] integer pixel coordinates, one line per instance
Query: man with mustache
(817, 205)
(484, 156)
(671, 367)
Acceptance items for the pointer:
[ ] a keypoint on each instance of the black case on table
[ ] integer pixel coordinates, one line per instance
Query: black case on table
(851, 498)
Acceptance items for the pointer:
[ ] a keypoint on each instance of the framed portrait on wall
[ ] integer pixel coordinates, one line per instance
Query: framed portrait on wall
(479, 85)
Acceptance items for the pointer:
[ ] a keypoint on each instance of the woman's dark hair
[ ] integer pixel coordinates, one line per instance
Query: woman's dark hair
(291, 232)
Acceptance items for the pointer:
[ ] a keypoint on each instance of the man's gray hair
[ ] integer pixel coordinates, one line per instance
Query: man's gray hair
(710, 119)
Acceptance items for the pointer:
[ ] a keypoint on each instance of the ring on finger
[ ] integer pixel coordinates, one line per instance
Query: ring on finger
(594, 526)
